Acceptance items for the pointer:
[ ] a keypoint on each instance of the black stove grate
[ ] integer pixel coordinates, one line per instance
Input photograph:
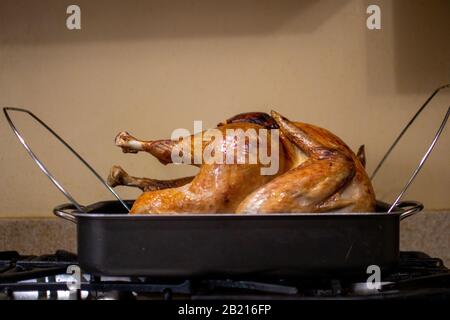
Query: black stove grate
(418, 275)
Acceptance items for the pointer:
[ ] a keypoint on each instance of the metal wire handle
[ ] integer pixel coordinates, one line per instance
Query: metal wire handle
(427, 153)
(45, 170)
(406, 128)
(422, 161)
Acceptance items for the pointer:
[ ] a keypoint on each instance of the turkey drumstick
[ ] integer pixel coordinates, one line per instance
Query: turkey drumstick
(119, 177)
(161, 149)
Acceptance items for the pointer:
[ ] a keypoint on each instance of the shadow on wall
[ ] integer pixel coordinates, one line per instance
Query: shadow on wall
(413, 44)
(422, 44)
(104, 20)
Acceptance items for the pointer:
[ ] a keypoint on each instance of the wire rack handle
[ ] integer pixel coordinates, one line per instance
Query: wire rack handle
(41, 166)
(427, 153)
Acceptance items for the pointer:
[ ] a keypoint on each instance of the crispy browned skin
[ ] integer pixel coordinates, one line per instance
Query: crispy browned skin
(261, 118)
(325, 176)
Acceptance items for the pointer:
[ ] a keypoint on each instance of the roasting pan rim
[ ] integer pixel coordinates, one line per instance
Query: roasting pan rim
(91, 214)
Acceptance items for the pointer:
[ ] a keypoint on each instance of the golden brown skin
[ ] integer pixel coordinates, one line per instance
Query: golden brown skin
(317, 173)
(217, 188)
(325, 176)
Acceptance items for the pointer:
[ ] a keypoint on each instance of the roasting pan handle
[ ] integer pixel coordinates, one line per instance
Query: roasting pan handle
(410, 208)
(42, 166)
(61, 212)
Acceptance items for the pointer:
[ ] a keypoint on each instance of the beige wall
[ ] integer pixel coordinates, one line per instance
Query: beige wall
(151, 66)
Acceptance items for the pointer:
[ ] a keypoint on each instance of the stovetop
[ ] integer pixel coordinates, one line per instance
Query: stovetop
(58, 277)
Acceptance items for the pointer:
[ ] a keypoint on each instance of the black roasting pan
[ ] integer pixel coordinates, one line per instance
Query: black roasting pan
(115, 243)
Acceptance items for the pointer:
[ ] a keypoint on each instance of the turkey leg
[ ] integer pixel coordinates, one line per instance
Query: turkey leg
(119, 177)
(161, 149)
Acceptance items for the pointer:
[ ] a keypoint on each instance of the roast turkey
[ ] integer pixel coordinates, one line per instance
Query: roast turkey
(316, 172)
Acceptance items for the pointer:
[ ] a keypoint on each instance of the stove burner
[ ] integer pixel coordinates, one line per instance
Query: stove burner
(46, 277)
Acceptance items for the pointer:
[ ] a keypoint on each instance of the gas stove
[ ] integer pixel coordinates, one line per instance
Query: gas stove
(58, 277)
